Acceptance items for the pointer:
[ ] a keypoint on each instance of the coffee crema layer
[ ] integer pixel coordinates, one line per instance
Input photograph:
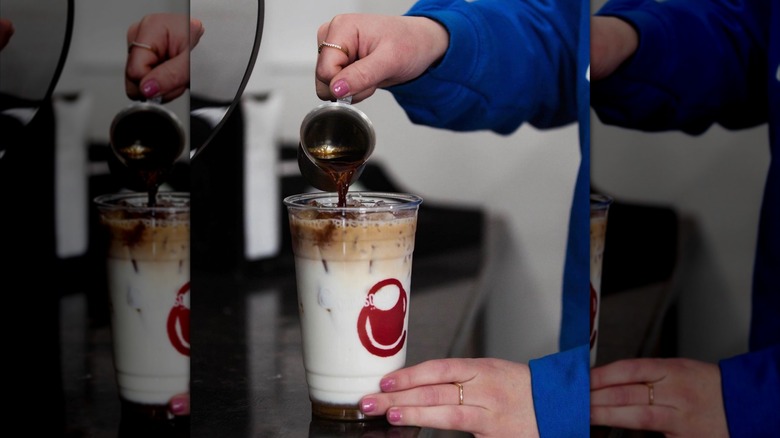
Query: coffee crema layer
(148, 238)
(372, 236)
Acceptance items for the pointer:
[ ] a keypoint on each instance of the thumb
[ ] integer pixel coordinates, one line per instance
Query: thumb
(196, 31)
(362, 78)
(169, 79)
(612, 42)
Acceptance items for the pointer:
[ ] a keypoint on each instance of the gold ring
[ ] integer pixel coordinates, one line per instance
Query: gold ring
(331, 45)
(651, 393)
(460, 392)
(143, 46)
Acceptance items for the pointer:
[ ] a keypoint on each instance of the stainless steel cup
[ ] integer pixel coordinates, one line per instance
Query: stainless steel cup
(334, 134)
(147, 135)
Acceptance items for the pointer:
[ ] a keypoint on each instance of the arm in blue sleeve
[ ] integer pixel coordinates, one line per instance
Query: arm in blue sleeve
(697, 63)
(561, 390)
(751, 393)
(508, 62)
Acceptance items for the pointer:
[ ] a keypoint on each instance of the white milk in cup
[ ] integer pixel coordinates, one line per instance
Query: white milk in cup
(148, 271)
(353, 271)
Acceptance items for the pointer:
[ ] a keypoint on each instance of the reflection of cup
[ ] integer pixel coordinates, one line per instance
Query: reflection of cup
(599, 207)
(353, 269)
(324, 428)
(148, 270)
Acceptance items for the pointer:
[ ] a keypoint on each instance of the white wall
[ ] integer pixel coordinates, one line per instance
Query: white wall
(716, 179)
(527, 177)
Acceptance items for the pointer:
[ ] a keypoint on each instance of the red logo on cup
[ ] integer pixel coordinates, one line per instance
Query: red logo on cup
(594, 308)
(179, 323)
(382, 331)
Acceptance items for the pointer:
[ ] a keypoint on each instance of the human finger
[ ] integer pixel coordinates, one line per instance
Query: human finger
(612, 42)
(383, 51)
(154, 40)
(335, 50)
(648, 418)
(627, 371)
(168, 80)
(146, 46)
(144, 51)
(179, 404)
(344, 76)
(428, 395)
(429, 373)
(463, 418)
(626, 395)
(196, 31)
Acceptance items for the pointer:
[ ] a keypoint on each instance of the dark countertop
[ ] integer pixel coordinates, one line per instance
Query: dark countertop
(247, 377)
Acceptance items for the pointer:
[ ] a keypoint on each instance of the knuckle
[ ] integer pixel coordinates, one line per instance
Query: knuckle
(430, 396)
(460, 418)
(622, 396)
(135, 72)
(650, 419)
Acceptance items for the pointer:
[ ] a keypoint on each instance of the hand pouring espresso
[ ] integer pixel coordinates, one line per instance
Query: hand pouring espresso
(336, 141)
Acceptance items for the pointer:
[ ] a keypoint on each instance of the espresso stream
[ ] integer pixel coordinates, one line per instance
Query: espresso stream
(339, 163)
(147, 142)
(140, 160)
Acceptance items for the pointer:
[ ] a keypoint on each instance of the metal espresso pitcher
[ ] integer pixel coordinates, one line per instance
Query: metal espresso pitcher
(147, 139)
(147, 134)
(336, 137)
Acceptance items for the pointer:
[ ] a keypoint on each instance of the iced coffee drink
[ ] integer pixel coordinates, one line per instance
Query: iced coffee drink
(148, 270)
(599, 207)
(353, 269)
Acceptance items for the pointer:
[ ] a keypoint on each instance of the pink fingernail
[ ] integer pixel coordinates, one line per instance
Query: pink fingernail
(394, 415)
(150, 89)
(368, 405)
(387, 384)
(177, 406)
(340, 88)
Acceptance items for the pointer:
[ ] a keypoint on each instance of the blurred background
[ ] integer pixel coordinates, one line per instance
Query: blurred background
(716, 180)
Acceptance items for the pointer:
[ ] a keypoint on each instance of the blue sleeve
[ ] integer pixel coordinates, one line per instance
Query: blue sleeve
(751, 393)
(561, 390)
(698, 63)
(511, 62)
(508, 62)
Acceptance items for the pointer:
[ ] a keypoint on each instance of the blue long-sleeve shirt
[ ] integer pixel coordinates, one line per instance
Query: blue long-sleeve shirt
(699, 63)
(510, 63)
